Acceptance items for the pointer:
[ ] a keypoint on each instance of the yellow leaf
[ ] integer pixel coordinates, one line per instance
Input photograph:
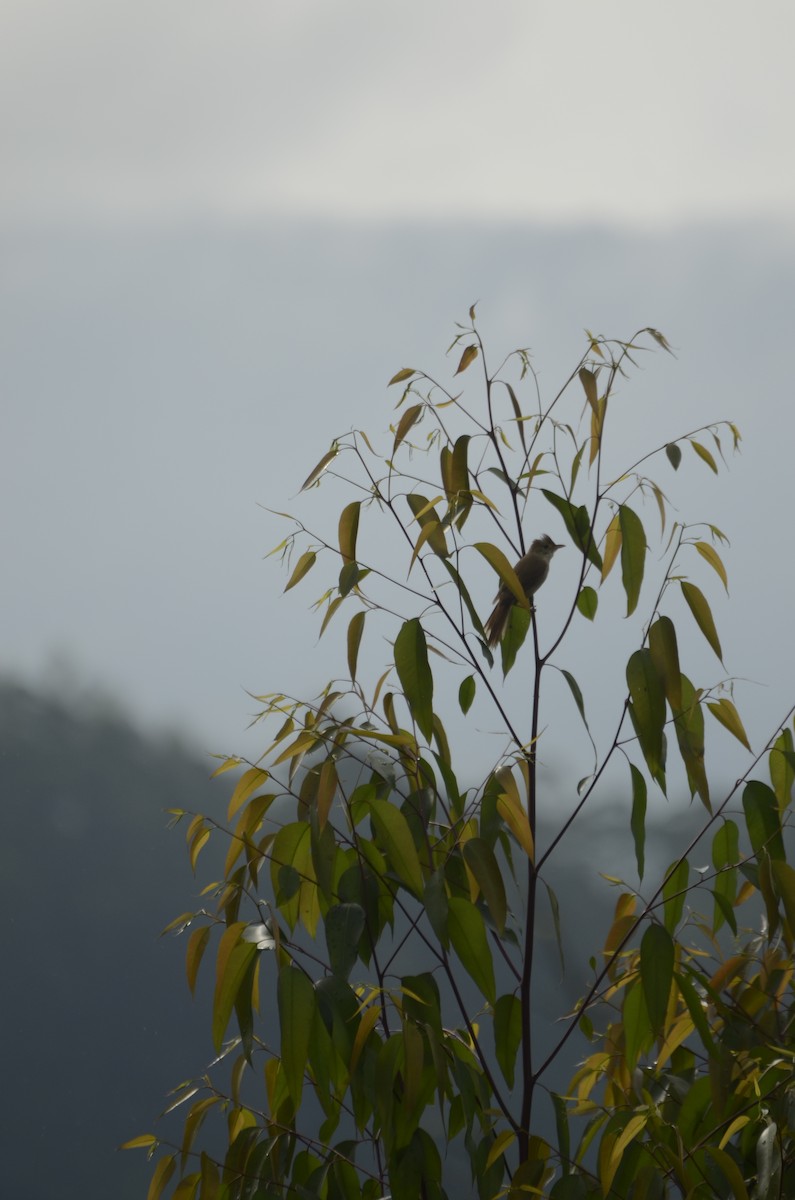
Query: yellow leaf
(500, 1145)
(612, 546)
(469, 356)
(318, 470)
(713, 558)
(304, 564)
(409, 418)
(405, 373)
(724, 711)
(137, 1143)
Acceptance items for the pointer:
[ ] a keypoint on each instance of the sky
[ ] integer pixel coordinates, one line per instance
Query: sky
(224, 228)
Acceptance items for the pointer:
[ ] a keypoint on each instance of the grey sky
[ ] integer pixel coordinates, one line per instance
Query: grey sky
(225, 226)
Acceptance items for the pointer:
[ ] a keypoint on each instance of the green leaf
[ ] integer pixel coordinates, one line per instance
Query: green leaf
(763, 820)
(638, 818)
(514, 637)
(724, 711)
(496, 559)
(297, 1004)
(425, 514)
(638, 1031)
(395, 840)
(234, 958)
(578, 524)
(698, 606)
(409, 418)
(674, 891)
(577, 694)
(466, 694)
(507, 1034)
(588, 381)
(704, 455)
(348, 529)
(468, 935)
(689, 727)
(784, 877)
(781, 763)
(436, 906)
(633, 554)
(674, 455)
(665, 656)
(647, 710)
(162, 1173)
(402, 375)
(713, 558)
(355, 630)
(416, 679)
(656, 972)
(305, 563)
(480, 859)
(344, 926)
(465, 596)
(587, 602)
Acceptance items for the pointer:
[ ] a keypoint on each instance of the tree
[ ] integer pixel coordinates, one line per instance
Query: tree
(375, 926)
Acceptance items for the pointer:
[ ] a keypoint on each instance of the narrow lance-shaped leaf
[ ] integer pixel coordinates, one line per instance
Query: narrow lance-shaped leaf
(424, 512)
(465, 596)
(467, 931)
(704, 454)
(665, 656)
(466, 694)
(724, 711)
(414, 672)
(468, 357)
(232, 964)
(674, 892)
(348, 529)
(480, 859)
(409, 418)
(578, 524)
(318, 470)
(647, 710)
(633, 554)
(612, 545)
(304, 564)
(689, 727)
(507, 574)
(297, 1003)
(656, 972)
(402, 375)
(715, 561)
(763, 820)
(395, 840)
(638, 818)
(577, 694)
(344, 925)
(507, 1034)
(355, 630)
(700, 609)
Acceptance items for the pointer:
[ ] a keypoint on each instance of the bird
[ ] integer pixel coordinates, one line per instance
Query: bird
(531, 571)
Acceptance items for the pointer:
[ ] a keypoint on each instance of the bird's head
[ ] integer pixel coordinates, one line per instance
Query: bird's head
(545, 546)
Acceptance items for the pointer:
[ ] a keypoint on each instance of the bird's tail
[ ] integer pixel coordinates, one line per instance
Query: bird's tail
(495, 625)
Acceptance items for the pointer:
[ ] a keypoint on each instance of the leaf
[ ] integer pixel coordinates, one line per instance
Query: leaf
(394, 838)
(724, 711)
(496, 559)
(297, 1005)
(578, 524)
(162, 1173)
(588, 381)
(480, 858)
(587, 602)
(689, 727)
(612, 545)
(245, 787)
(674, 891)
(638, 818)
(700, 609)
(512, 811)
(713, 558)
(465, 596)
(577, 694)
(142, 1141)
(499, 1146)
(425, 513)
(402, 375)
(657, 972)
(234, 958)
(414, 672)
(665, 656)
(467, 931)
(344, 926)
(197, 944)
(704, 454)
(647, 710)
(317, 471)
(348, 529)
(468, 357)
(781, 764)
(355, 630)
(409, 418)
(784, 877)
(304, 564)
(507, 1034)
(674, 455)
(633, 554)
(466, 694)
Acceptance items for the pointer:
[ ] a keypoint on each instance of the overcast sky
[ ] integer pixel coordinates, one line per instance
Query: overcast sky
(225, 226)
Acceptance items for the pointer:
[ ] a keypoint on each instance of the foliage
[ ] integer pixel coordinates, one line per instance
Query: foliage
(375, 924)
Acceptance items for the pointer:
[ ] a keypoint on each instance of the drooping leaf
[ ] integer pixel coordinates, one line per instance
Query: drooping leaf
(633, 554)
(197, 944)
(612, 545)
(414, 672)
(513, 639)
(425, 513)
(674, 454)
(160, 1176)
(762, 819)
(665, 656)
(700, 609)
(355, 630)
(395, 840)
(577, 694)
(348, 530)
(638, 818)
(402, 375)
(588, 602)
(467, 931)
(588, 381)
(781, 764)
(715, 561)
(689, 727)
(496, 559)
(704, 454)
(480, 859)
(723, 710)
(232, 963)
(507, 1034)
(674, 893)
(304, 564)
(344, 926)
(578, 524)
(297, 1004)
(465, 596)
(466, 694)
(647, 710)
(656, 972)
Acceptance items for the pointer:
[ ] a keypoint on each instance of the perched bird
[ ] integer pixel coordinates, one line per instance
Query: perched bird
(531, 571)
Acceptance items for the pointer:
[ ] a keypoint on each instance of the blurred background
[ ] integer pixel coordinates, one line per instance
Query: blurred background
(223, 229)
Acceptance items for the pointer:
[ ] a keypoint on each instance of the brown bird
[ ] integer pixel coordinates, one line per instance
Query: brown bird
(531, 571)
